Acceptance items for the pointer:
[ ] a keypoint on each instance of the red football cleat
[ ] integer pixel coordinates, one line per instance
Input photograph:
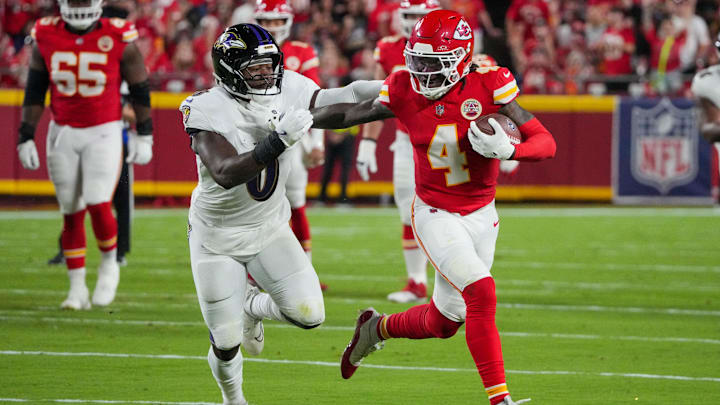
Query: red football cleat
(364, 341)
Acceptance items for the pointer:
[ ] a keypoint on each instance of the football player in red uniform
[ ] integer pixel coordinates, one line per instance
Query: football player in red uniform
(83, 59)
(389, 58)
(453, 216)
(276, 16)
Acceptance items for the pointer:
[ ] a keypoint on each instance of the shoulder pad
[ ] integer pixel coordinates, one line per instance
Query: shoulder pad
(391, 38)
(125, 29)
(44, 24)
(299, 44)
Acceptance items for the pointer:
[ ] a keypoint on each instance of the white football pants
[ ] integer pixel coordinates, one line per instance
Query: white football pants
(461, 248)
(84, 163)
(279, 265)
(403, 175)
(297, 181)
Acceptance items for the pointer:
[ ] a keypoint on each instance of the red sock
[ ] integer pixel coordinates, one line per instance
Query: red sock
(104, 225)
(419, 322)
(483, 338)
(301, 227)
(408, 238)
(73, 240)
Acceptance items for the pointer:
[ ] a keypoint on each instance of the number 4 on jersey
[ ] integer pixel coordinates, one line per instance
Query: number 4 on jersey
(444, 154)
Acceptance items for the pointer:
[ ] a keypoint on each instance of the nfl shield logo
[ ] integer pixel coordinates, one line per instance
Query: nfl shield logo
(439, 110)
(664, 145)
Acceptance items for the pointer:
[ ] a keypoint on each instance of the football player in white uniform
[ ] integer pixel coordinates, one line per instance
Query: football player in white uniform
(706, 87)
(238, 218)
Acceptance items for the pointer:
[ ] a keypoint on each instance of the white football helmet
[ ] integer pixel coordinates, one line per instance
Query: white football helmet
(412, 10)
(268, 11)
(80, 14)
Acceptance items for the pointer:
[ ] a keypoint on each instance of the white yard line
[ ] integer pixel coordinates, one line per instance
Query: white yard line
(365, 365)
(363, 301)
(505, 211)
(31, 318)
(101, 401)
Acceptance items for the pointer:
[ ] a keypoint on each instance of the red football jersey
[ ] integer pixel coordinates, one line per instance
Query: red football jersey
(84, 69)
(389, 54)
(300, 57)
(449, 174)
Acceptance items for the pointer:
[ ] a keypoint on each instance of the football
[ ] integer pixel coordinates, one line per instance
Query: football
(511, 129)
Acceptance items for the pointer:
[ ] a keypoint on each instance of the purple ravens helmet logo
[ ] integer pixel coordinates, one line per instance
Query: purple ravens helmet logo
(229, 40)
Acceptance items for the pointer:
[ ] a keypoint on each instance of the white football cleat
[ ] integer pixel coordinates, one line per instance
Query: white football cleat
(253, 337)
(508, 401)
(413, 292)
(107, 282)
(365, 341)
(78, 299)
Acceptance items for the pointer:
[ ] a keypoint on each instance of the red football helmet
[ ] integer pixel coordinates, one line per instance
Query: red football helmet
(439, 52)
(412, 10)
(276, 16)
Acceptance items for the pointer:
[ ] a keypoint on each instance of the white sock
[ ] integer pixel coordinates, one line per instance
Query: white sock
(228, 375)
(77, 278)
(108, 257)
(264, 307)
(416, 265)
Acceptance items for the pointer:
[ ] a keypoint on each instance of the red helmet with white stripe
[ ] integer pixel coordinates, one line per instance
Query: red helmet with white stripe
(413, 10)
(276, 16)
(439, 52)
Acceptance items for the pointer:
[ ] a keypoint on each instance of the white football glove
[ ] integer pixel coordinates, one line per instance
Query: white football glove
(27, 152)
(139, 149)
(508, 166)
(366, 161)
(292, 125)
(495, 146)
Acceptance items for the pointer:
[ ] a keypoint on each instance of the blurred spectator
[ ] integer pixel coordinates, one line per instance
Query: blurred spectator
(616, 47)
(666, 43)
(577, 40)
(695, 52)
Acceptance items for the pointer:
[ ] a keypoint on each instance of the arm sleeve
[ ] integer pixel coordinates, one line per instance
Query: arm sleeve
(538, 143)
(355, 92)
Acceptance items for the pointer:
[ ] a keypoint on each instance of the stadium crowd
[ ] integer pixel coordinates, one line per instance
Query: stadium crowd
(644, 47)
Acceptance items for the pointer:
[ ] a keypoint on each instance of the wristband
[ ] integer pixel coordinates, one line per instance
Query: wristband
(145, 127)
(268, 149)
(27, 133)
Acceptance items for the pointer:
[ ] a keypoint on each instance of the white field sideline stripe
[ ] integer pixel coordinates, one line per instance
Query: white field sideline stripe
(131, 322)
(102, 401)
(506, 305)
(392, 212)
(365, 365)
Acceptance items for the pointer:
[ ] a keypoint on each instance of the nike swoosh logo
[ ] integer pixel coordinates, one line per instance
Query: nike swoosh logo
(496, 223)
(506, 74)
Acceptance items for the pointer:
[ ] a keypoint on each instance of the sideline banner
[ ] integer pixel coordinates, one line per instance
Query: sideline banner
(659, 156)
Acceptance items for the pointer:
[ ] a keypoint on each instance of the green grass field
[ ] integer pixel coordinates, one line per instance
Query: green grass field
(596, 305)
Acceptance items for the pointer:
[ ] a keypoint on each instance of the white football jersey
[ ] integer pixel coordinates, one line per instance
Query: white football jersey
(261, 201)
(706, 83)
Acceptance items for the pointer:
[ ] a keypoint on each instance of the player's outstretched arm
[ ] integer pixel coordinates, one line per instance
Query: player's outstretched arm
(345, 115)
(538, 143)
(38, 81)
(710, 124)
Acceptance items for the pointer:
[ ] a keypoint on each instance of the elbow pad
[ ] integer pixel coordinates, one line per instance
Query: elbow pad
(37, 85)
(354, 92)
(140, 93)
